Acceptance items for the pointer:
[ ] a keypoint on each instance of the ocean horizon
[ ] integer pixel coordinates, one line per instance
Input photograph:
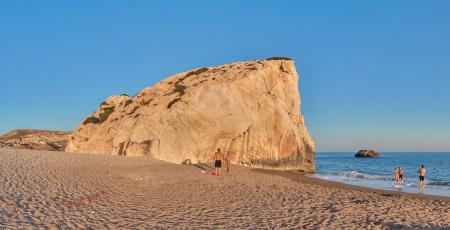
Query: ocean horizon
(378, 172)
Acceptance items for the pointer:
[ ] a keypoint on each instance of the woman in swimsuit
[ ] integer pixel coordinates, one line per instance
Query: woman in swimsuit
(396, 175)
(400, 174)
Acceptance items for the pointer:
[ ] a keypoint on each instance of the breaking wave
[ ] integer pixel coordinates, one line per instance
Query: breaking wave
(441, 183)
(359, 175)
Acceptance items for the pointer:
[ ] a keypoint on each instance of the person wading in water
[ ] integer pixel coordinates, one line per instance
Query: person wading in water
(396, 177)
(422, 170)
(400, 174)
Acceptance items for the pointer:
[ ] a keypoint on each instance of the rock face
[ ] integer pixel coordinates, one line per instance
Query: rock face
(251, 110)
(35, 139)
(367, 153)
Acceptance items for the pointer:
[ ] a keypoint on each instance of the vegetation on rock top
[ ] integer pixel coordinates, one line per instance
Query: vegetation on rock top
(197, 72)
(278, 58)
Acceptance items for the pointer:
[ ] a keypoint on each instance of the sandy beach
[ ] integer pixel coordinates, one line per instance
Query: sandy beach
(61, 190)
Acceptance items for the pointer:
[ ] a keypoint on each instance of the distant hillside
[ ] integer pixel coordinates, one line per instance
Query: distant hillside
(35, 139)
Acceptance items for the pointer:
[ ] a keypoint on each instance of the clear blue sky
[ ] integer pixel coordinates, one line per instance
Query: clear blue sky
(374, 74)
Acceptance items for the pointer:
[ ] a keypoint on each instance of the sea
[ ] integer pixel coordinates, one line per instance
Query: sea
(378, 172)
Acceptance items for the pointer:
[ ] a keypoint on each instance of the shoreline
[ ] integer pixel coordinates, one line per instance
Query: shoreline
(300, 177)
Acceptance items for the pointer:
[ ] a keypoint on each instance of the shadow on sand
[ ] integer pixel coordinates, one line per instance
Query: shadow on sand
(204, 167)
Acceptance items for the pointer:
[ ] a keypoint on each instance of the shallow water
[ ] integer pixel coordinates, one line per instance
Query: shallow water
(378, 172)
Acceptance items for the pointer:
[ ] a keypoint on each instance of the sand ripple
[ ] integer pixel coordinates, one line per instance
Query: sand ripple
(61, 191)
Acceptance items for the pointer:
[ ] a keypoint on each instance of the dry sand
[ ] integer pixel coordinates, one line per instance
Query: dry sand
(62, 190)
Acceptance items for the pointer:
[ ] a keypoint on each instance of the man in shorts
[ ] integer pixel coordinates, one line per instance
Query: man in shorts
(422, 172)
(218, 158)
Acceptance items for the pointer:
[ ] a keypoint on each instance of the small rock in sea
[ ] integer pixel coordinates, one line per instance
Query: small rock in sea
(367, 153)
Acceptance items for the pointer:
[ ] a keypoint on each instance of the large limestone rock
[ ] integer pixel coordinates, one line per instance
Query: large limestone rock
(251, 110)
(35, 139)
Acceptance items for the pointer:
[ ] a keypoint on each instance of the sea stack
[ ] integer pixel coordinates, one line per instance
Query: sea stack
(367, 153)
(251, 110)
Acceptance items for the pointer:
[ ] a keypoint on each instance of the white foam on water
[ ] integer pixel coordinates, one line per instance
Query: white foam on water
(379, 181)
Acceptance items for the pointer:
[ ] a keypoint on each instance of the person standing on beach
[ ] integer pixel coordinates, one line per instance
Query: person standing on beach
(228, 161)
(218, 158)
(422, 172)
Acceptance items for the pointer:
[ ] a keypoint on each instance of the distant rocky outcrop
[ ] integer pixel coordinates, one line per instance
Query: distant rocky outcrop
(251, 110)
(367, 153)
(35, 139)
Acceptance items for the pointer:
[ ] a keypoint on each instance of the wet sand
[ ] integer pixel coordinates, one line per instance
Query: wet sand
(61, 190)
